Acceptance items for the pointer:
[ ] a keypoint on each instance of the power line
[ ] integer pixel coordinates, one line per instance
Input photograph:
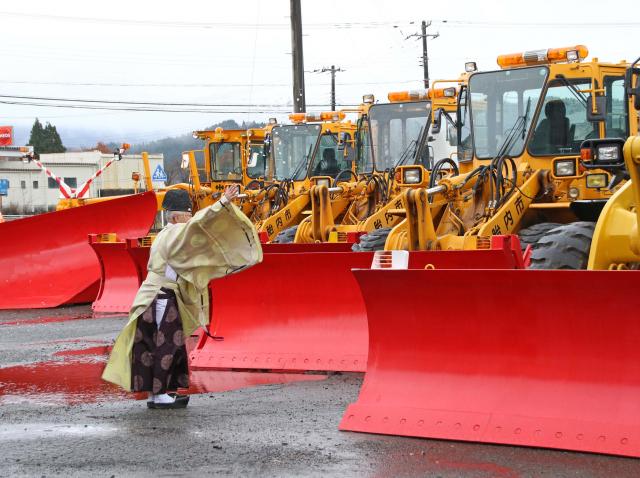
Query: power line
(329, 25)
(150, 109)
(190, 85)
(256, 109)
(152, 103)
(185, 24)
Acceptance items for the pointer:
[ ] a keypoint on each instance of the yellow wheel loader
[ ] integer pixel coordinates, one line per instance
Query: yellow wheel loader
(396, 148)
(544, 358)
(522, 169)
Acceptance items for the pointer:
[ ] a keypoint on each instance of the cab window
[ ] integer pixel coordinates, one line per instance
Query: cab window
(329, 160)
(616, 124)
(257, 160)
(225, 161)
(562, 122)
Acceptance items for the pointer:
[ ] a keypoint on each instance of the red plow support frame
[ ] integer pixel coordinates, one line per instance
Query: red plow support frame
(123, 266)
(304, 311)
(536, 358)
(45, 260)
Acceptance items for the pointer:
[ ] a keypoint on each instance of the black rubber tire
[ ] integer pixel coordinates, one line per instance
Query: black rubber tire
(565, 247)
(373, 241)
(532, 234)
(287, 236)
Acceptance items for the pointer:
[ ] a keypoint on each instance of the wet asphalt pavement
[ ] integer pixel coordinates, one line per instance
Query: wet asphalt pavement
(57, 418)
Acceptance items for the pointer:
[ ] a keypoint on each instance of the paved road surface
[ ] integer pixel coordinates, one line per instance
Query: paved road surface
(58, 419)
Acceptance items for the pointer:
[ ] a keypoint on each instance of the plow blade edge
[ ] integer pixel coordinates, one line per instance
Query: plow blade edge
(46, 261)
(304, 311)
(535, 358)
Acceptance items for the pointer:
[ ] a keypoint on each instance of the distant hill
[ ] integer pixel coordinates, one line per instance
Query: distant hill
(173, 147)
(170, 147)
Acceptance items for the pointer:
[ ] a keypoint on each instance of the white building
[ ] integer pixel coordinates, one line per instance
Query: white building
(31, 191)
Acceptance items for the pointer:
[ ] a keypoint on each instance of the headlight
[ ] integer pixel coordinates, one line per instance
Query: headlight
(564, 167)
(368, 99)
(449, 92)
(596, 181)
(323, 182)
(574, 193)
(470, 66)
(412, 176)
(185, 161)
(572, 55)
(608, 153)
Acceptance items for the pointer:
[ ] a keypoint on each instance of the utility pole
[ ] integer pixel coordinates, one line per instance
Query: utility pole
(333, 70)
(299, 105)
(425, 55)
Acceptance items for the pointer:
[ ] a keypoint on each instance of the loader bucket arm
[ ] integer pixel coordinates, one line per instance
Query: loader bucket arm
(616, 239)
(529, 359)
(321, 213)
(46, 260)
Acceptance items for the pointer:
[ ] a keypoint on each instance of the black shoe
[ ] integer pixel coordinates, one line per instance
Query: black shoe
(181, 401)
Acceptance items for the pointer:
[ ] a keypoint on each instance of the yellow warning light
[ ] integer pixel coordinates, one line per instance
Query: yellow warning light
(313, 117)
(297, 117)
(539, 57)
(413, 95)
(332, 115)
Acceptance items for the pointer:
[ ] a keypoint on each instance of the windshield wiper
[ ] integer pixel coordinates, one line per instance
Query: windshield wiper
(422, 141)
(302, 163)
(405, 154)
(520, 126)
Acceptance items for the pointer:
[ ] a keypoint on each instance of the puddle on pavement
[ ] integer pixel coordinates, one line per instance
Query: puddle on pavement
(75, 380)
(32, 431)
(44, 320)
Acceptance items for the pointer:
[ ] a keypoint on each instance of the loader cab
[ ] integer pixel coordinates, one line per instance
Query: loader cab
(225, 156)
(400, 132)
(315, 145)
(292, 148)
(335, 156)
(538, 109)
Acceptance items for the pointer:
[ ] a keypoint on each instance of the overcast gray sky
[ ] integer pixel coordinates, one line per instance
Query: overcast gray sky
(238, 53)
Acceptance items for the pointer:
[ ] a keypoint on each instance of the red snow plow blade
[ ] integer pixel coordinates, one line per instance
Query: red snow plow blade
(123, 266)
(522, 357)
(304, 311)
(45, 260)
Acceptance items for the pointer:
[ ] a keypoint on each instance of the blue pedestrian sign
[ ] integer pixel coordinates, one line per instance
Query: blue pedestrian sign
(4, 187)
(159, 174)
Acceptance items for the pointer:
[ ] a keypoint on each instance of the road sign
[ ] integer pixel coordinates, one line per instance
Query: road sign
(159, 174)
(4, 187)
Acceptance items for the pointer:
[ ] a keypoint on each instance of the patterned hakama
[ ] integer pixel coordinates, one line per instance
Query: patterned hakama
(159, 358)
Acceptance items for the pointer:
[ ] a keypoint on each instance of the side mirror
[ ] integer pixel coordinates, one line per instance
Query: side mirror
(343, 139)
(184, 164)
(633, 92)
(266, 146)
(600, 113)
(437, 121)
(253, 160)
